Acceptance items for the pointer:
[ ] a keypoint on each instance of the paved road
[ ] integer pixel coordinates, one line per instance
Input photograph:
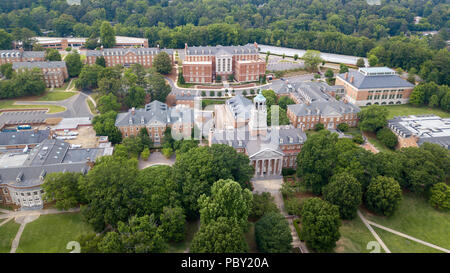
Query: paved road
(76, 107)
(155, 159)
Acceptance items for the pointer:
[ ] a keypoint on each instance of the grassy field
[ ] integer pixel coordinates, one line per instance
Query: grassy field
(51, 233)
(56, 96)
(9, 104)
(397, 244)
(91, 106)
(7, 233)
(378, 144)
(191, 229)
(416, 218)
(354, 237)
(408, 109)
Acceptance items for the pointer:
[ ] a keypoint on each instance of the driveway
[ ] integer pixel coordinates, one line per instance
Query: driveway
(156, 159)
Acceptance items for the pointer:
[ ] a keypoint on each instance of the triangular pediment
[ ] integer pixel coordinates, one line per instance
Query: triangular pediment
(266, 154)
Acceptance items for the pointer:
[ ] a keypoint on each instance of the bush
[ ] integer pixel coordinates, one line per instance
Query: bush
(294, 206)
(287, 190)
(219, 93)
(272, 234)
(167, 152)
(343, 127)
(287, 171)
(68, 49)
(319, 126)
(358, 139)
(252, 91)
(383, 195)
(440, 196)
(244, 93)
(387, 137)
(211, 93)
(145, 154)
(203, 94)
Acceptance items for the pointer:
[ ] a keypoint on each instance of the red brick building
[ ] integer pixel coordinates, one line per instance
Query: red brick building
(12, 56)
(63, 43)
(208, 64)
(55, 73)
(127, 56)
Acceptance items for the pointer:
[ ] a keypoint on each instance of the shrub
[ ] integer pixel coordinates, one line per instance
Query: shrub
(294, 206)
(383, 195)
(440, 196)
(244, 93)
(358, 139)
(387, 137)
(219, 93)
(68, 49)
(145, 153)
(167, 152)
(287, 171)
(262, 204)
(203, 94)
(252, 91)
(343, 127)
(319, 126)
(211, 93)
(287, 190)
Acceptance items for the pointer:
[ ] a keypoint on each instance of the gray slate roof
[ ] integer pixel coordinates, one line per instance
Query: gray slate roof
(124, 51)
(325, 108)
(240, 106)
(23, 137)
(29, 65)
(23, 54)
(213, 50)
(361, 81)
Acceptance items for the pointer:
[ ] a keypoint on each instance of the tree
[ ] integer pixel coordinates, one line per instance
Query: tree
(89, 76)
(5, 40)
(318, 127)
(157, 87)
(108, 103)
(294, 206)
(163, 63)
(284, 101)
(107, 35)
(360, 62)
(100, 61)
(383, 195)
(372, 118)
(387, 137)
(219, 236)
(158, 190)
(262, 204)
(89, 242)
(434, 101)
(167, 152)
(173, 224)
(440, 196)
(329, 73)
(320, 224)
(343, 127)
(343, 68)
(272, 234)
(134, 146)
(92, 43)
(373, 60)
(74, 64)
(181, 78)
(52, 55)
(317, 159)
(135, 97)
(227, 199)
(28, 83)
(296, 57)
(63, 189)
(312, 59)
(110, 190)
(345, 192)
(139, 235)
(145, 154)
(104, 125)
(145, 138)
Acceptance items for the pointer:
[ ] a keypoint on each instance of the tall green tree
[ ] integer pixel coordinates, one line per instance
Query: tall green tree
(74, 64)
(345, 192)
(272, 234)
(163, 63)
(52, 55)
(372, 118)
(107, 35)
(320, 224)
(63, 189)
(383, 195)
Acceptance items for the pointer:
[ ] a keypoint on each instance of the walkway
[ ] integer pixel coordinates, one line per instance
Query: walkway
(385, 248)
(273, 187)
(409, 237)
(156, 159)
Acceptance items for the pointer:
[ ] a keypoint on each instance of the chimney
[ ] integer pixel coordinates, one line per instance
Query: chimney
(256, 45)
(210, 136)
(346, 75)
(185, 48)
(351, 79)
(132, 111)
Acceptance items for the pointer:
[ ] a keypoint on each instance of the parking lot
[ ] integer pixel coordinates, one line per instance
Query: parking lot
(277, 63)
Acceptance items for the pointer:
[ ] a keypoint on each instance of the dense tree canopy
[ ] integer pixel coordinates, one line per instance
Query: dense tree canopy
(272, 234)
(383, 195)
(163, 63)
(372, 118)
(345, 192)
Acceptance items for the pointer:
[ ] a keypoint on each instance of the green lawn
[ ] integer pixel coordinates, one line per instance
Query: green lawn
(7, 233)
(408, 109)
(354, 237)
(397, 244)
(9, 104)
(416, 218)
(378, 144)
(56, 96)
(191, 229)
(51, 233)
(206, 102)
(91, 106)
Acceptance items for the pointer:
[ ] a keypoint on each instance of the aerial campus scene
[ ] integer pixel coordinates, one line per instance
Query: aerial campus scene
(248, 126)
